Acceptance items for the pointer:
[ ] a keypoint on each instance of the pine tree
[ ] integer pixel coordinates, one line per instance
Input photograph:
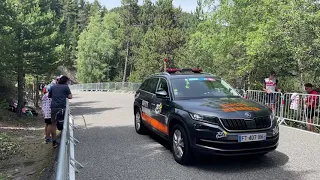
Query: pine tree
(130, 26)
(163, 40)
(35, 30)
(96, 48)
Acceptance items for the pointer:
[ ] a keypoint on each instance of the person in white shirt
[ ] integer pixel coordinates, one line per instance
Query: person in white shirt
(46, 111)
(270, 86)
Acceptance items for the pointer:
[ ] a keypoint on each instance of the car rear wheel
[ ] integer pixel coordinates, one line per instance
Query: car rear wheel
(180, 145)
(140, 128)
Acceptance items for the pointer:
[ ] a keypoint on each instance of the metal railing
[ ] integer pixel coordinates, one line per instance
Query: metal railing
(106, 86)
(66, 167)
(291, 107)
(280, 103)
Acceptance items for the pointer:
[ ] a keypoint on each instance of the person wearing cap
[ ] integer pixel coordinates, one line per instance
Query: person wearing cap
(58, 93)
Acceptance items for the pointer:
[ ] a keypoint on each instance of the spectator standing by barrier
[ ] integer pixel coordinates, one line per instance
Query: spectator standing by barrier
(46, 110)
(311, 104)
(270, 86)
(59, 93)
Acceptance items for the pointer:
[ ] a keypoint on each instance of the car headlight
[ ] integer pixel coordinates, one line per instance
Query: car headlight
(210, 119)
(196, 117)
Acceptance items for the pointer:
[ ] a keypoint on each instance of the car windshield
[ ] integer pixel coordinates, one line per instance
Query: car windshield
(185, 88)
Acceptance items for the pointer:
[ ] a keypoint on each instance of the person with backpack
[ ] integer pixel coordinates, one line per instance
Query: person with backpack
(59, 94)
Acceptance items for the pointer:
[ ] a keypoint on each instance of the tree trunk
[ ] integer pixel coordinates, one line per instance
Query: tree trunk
(21, 75)
(131, 69)
(37, 92)
(125, 65)
(301, 80)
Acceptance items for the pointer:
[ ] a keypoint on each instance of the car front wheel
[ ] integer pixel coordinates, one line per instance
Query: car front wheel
(140, 128)
(180, 145)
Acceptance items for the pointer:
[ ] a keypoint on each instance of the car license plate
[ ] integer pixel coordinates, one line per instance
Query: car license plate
(252, 137)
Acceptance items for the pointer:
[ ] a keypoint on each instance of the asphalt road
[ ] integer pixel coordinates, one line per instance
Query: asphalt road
(110, 149)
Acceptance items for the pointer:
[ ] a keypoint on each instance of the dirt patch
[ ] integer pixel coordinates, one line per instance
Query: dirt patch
(23, 152)
(8, 119)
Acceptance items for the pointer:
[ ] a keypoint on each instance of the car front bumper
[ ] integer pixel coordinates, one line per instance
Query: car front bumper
(208, 138)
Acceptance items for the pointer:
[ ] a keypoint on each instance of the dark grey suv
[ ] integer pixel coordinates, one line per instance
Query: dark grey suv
(199, 112)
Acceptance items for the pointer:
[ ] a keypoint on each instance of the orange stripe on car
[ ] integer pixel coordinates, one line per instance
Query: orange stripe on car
(156, 124)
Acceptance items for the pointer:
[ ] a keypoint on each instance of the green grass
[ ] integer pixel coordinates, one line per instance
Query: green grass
(3, 177)
(7, 146)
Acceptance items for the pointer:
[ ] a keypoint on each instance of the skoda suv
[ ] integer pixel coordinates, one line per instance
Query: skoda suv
(201, 113)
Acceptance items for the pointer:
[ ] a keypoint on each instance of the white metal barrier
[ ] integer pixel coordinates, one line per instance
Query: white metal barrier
(280, 103)
(66, 167)
(106, 86)
(290, 107)
(273, 100)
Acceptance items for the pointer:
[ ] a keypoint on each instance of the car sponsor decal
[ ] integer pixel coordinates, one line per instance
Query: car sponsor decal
(238, 107)
(156, 124)
(158, 108)
(145, 103)
(210, 79)
(187, 83)
(145, 107)
(192, 79)
(175, 91)
(221, 134)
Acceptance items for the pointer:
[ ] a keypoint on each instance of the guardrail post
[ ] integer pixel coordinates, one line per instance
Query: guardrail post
(282, 109)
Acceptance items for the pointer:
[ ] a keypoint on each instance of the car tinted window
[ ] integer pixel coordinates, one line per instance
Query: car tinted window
(150, 85)
(202, 87)
(144, 84)
(162, 85)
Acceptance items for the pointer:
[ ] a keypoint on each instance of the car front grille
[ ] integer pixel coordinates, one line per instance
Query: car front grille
(242, 124)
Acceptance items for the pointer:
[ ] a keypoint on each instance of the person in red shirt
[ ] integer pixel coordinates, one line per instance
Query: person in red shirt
(311, 104)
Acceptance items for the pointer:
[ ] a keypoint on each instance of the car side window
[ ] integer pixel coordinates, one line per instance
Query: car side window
(163, 85)
(143, 85)
(151, 85)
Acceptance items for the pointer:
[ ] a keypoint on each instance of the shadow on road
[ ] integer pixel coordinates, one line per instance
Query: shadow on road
(87, 110)
(231, 164)
(274, 159)
(119, 149)
(84, 108)
(83, 103)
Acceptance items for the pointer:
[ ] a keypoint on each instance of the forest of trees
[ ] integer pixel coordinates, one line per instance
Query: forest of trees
(240, 40)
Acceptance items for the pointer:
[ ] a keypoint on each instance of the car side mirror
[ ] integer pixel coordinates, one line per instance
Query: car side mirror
(162, 94)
